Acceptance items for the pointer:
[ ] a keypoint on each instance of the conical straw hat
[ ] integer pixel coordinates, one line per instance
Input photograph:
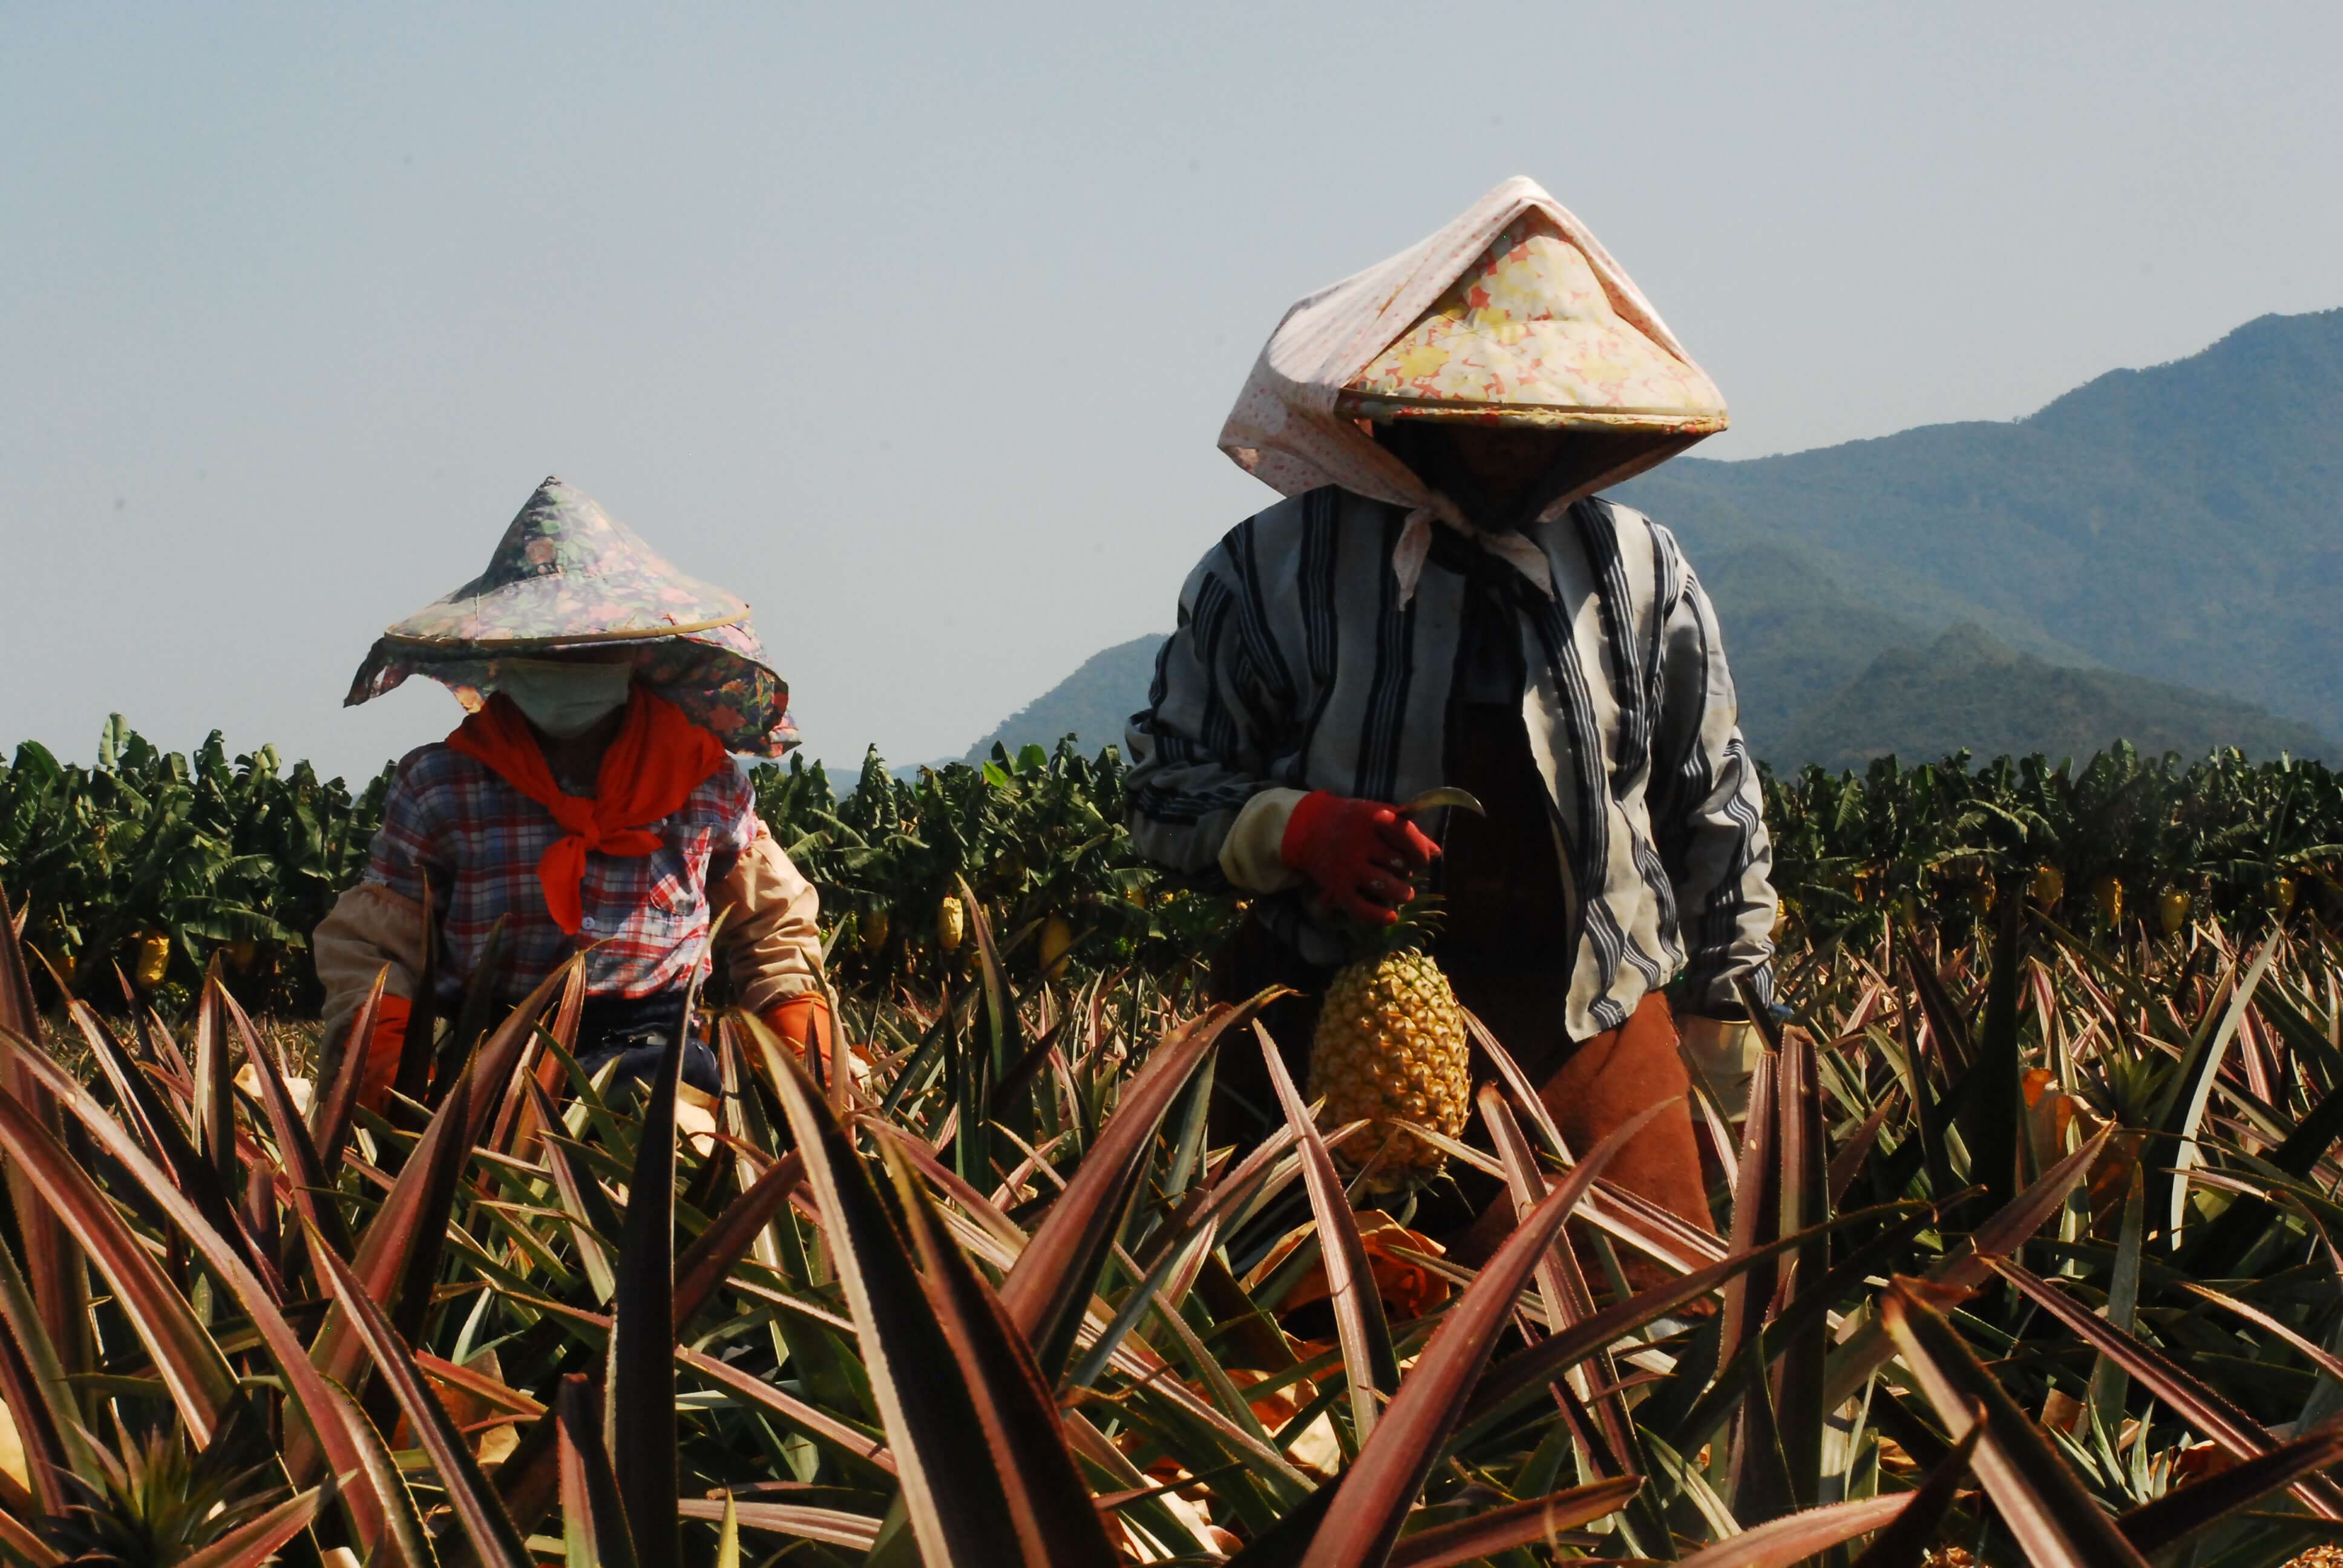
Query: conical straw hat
(1528, 336)
(566, 575)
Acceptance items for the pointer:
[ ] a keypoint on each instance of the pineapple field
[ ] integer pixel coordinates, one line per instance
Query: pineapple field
(2026, 1251)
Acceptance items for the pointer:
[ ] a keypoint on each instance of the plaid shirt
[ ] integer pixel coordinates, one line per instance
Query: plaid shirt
(480, 839)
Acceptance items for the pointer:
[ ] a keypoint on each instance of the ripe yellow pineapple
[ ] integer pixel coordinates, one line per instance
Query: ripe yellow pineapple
(951, 924)
(151, 960)
(1057, 940)
(2172, 911)
(1389, 1047)
(2108, 893)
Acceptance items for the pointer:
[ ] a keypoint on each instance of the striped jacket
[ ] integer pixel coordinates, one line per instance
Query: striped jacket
(1295, 668)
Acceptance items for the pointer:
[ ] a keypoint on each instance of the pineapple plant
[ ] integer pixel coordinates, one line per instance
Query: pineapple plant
(1389, 1046)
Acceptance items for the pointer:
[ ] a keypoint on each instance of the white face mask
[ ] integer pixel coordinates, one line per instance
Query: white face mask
(561, 697)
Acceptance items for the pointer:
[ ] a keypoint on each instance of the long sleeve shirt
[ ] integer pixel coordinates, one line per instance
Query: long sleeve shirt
(1295, 667)
(649, 918)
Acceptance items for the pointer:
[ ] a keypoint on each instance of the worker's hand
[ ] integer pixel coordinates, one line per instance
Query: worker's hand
(1360, 855)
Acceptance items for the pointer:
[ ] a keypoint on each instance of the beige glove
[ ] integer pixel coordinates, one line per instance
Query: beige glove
(1723, 1054)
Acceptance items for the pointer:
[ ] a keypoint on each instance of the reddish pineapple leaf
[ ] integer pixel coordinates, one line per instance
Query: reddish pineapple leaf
(1515, 1524)
(2164, 1522)
(1054, 1278)
(60, 1288)
(1796, 1537)
(1906, 1542)
(198, 1379)
(593, 1516)
(643, 1430)
(956, 1507)
(1379, 1489)
(324, 1410)
(1057, 1524)
(1368, 1363)
(252, 1545)
(474, 1501)
(2194, 1401)
(2057, 1522)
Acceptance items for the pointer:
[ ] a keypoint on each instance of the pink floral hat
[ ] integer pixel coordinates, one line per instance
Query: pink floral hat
(1529, 335)
(566, 575)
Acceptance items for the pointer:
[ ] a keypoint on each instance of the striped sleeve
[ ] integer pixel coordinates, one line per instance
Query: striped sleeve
(1707, 813)
(1200, 750)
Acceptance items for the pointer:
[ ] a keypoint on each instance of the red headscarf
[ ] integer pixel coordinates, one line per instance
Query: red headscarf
(658, 758)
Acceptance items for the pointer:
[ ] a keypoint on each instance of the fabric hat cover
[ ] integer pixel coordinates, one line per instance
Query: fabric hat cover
(1513, 315)
(566, 577)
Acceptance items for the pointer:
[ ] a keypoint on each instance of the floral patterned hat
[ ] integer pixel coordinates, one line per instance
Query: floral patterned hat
(1513, 314)
(566, 575)
(1529, 335)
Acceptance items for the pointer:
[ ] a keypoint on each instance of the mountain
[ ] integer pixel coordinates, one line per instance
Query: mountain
(1969, 690)
(1793, 634)
(2159, 551)
(1091, 704)
(2182, 523)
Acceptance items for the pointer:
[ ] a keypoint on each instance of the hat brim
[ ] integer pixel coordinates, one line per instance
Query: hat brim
(509, 645)
(1383, 408)
(717, 674)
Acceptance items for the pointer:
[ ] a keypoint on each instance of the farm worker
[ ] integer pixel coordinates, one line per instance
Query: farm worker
(589, 802)
(1443, 599)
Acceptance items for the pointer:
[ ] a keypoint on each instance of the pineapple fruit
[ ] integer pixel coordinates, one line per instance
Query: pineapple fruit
(150, 960)
(1057, 940)
(2172, 911)
(951, 924)
(1391, 1047)
(2107, 894)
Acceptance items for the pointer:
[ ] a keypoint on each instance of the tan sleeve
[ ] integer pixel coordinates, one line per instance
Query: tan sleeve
(1249, 855)
(1724, 1054)
(771, 938)
(370, 926)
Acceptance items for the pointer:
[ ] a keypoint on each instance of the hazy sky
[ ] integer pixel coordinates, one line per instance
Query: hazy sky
(915, 326)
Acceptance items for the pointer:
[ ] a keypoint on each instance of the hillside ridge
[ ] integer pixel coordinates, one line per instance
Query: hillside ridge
(2180, 525)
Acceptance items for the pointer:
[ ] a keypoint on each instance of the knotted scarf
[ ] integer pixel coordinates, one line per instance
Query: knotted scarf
(655, 762)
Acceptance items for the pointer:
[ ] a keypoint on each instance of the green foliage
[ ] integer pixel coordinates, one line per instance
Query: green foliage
(1937, 844)
(1034, 835)
(210, 851)
(213, 853)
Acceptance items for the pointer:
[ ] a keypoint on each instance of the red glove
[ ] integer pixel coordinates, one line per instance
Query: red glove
(804, 1021)
(391, 1015)
(1358, 853)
